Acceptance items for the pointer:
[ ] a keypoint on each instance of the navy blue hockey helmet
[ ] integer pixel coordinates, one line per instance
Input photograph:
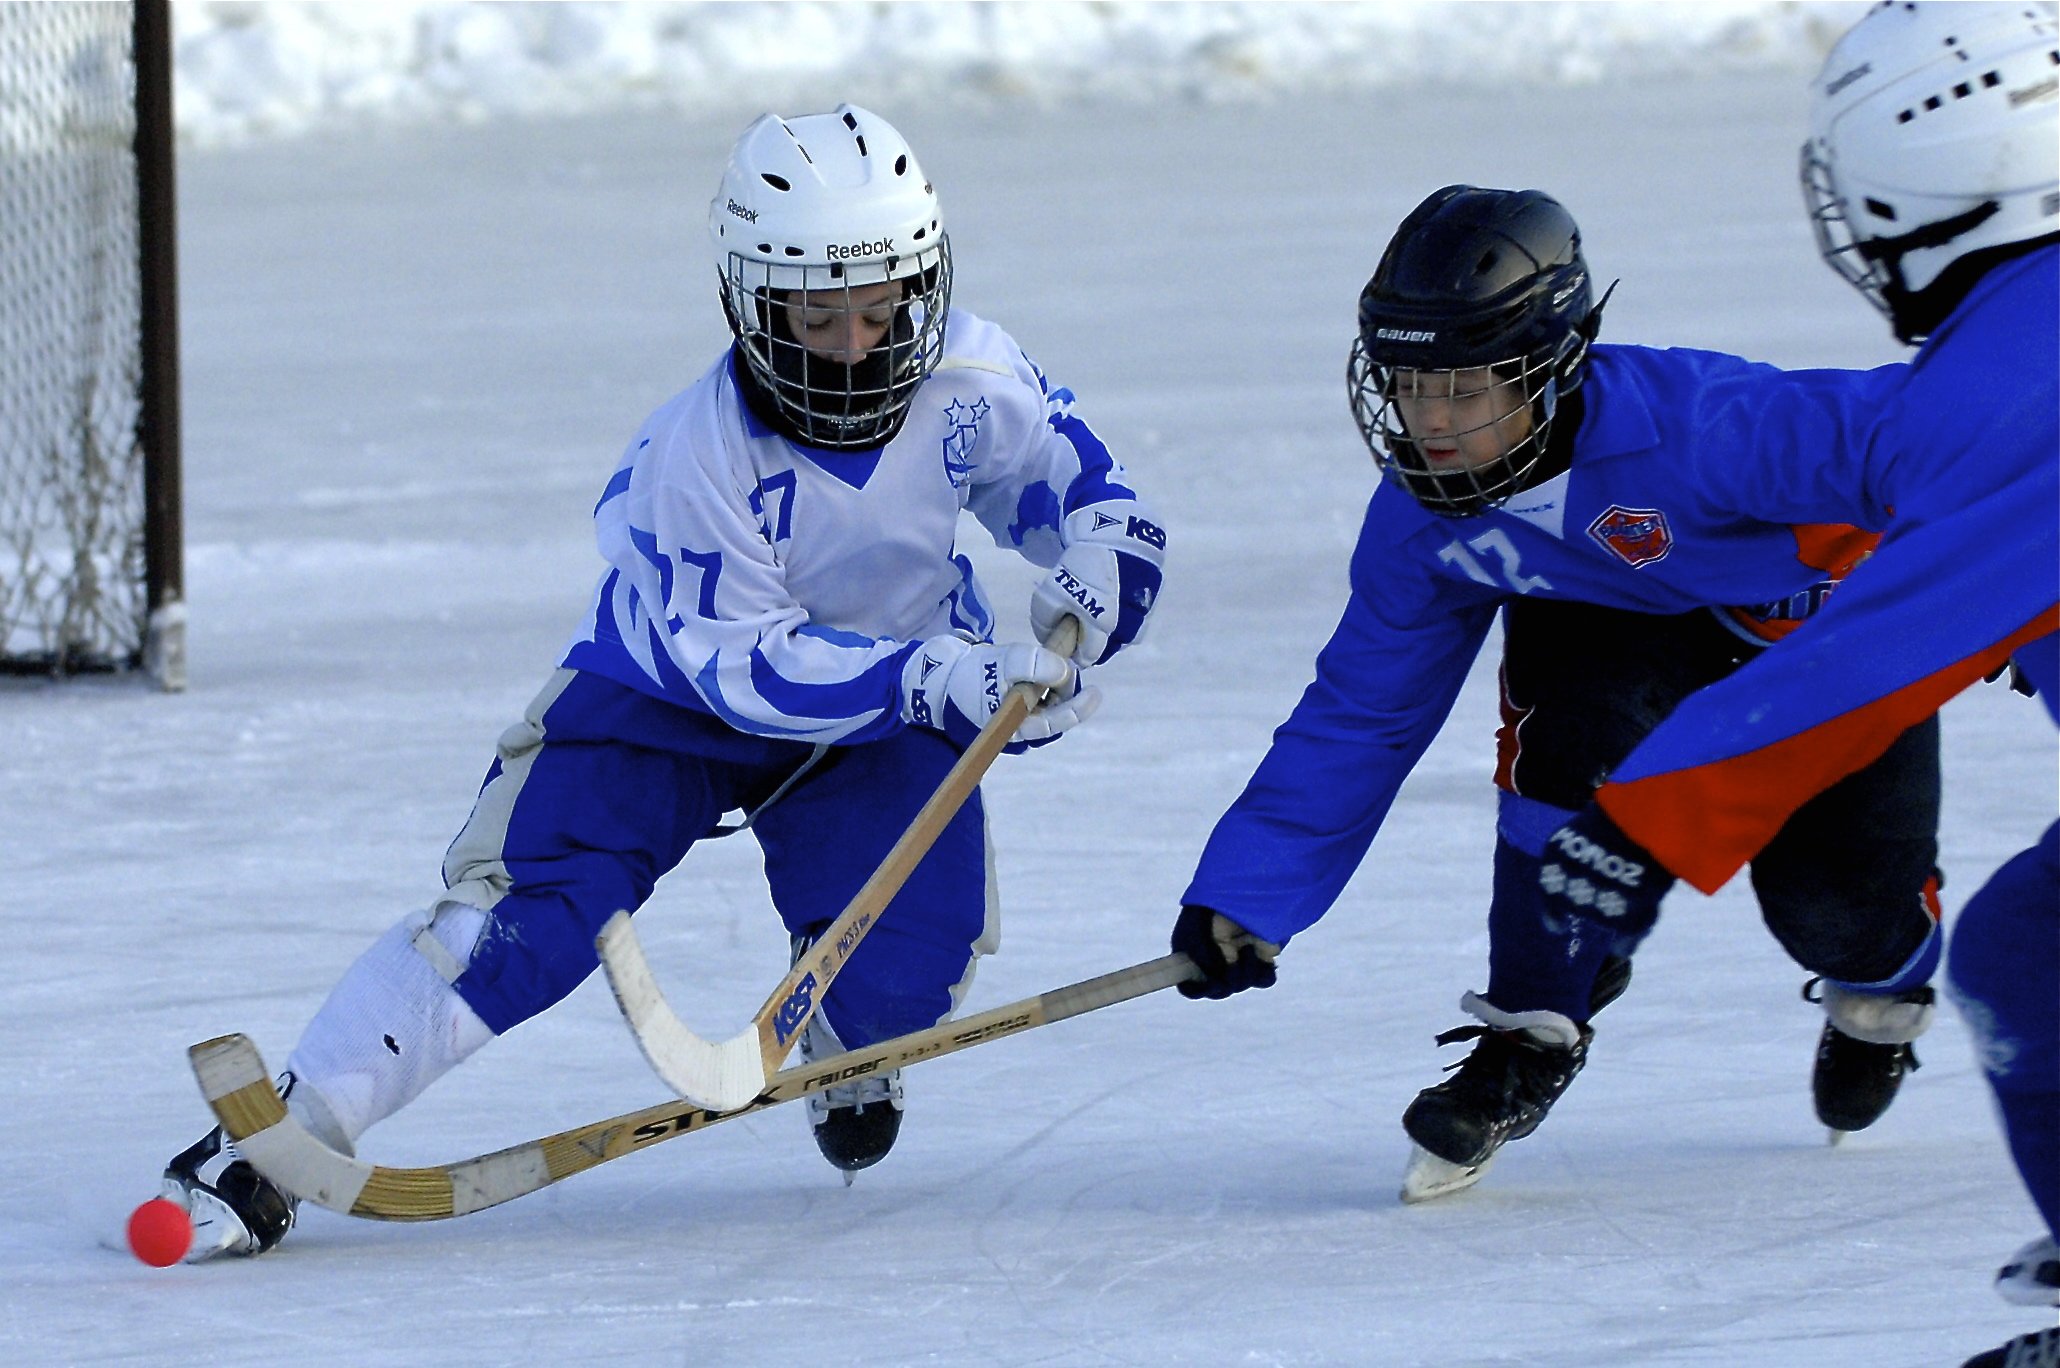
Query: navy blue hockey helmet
(1474, 326)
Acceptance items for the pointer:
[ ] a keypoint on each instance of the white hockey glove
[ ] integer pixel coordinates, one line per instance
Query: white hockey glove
(1107, 577)
(954, 686)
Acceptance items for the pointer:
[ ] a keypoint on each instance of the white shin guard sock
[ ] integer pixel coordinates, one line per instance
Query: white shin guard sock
(390, 1027)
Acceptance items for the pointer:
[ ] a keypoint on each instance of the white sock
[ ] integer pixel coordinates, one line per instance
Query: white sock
(1547, 1028)
(391, 1026)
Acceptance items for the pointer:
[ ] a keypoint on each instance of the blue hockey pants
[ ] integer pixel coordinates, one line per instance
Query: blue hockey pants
(602, 790)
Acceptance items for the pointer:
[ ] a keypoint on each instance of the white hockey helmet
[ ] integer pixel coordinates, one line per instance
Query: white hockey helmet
(1934, 135)
(828, 207)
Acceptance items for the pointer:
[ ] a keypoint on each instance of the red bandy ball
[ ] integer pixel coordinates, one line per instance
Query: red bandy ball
(160, 1232)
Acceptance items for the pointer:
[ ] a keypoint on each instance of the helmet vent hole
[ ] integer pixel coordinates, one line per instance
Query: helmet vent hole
(921, 233)
(1880, 210)
(794, 252)
(836, 270)
(1991, 79)
(901, 165)
(851, 123)
(776, 182)
(861, 146)
(1962, 91)
(1932, 102)
(765, 248)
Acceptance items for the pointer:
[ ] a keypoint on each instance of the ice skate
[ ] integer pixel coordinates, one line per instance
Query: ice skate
(235, 1210)
(1499, 1093)
(2040, 1349)
(1864, 1051)
(2032, 1277)
(854, 1123)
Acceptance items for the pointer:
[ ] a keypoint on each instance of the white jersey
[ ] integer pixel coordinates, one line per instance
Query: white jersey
(781, 587)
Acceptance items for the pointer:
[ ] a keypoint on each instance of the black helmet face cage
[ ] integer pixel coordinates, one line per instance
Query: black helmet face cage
(1509, 403)
(1836, 243)
(825, 400)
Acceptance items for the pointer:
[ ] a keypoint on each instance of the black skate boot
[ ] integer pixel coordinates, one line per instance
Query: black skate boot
(855, 1123)
(1499, 1093)
(1611, 979)
(2040, 1349)
(235, 1209)
(1864, 1051)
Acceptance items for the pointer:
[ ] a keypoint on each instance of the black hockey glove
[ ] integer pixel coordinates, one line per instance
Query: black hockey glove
(1231, 958)
(1594, 872)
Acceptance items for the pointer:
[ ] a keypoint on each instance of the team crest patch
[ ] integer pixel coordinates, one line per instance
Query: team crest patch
(1636, 536)
(963, 437)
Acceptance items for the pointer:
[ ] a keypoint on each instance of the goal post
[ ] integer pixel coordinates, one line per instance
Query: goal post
(91, 548)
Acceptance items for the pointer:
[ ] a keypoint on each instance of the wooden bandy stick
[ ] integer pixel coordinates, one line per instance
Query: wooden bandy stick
(725, 1076)
(240, 1091)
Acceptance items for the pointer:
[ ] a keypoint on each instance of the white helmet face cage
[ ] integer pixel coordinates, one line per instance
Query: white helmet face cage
(1835, 240)
(1934, 134)
(797, 340)
(1485, 428)
(825, 223)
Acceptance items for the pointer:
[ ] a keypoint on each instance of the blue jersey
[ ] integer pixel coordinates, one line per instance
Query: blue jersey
(1966, 450)
(1696, 480)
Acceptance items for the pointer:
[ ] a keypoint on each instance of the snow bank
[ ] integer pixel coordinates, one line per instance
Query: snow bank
(249, 70)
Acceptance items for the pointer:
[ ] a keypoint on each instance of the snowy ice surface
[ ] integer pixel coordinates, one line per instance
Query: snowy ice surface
(411, 356)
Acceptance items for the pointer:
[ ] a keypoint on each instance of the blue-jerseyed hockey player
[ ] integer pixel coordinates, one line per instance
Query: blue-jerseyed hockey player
(784, 629)
(1587, 494)
(1930, 172)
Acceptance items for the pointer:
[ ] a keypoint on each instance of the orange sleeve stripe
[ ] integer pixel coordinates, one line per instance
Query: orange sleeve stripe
(1706, 822)
(1833, 548)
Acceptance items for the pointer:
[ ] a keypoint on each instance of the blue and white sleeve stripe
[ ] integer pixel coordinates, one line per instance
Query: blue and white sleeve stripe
(716, 630)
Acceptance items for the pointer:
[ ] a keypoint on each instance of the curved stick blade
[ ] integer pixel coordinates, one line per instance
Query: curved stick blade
(721, 1077)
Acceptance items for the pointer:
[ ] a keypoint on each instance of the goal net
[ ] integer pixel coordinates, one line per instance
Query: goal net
(89, 530)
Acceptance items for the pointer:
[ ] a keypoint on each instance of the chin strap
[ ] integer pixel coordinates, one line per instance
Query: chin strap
(1890, 251)
(1914, 313)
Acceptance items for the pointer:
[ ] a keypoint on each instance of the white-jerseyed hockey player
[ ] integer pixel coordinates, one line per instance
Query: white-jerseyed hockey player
(785, 629)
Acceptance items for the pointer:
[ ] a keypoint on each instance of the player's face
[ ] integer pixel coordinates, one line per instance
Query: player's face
(843, 325)
(1463, 419)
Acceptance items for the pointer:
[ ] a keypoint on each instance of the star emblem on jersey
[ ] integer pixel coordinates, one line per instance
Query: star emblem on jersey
(963, 437)
(1635, 536)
